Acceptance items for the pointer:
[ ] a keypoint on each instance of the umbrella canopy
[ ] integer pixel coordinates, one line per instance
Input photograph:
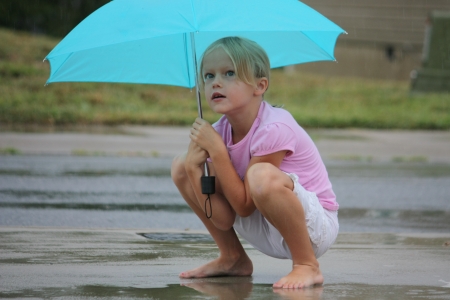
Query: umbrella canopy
(159, 41)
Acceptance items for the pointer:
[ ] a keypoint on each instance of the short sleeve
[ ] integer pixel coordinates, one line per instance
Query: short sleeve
(272, 138)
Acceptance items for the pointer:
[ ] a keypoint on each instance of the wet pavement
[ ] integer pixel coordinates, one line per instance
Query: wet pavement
(137, 192)
(96, 215)
(123, 264)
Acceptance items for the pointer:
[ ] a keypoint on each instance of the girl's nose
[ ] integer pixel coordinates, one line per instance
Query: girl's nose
(217, 81)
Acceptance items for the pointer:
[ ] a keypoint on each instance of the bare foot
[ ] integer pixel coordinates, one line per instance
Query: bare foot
(222, 266)
(300, 277)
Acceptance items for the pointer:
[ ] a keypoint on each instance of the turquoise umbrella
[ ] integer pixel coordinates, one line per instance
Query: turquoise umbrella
(159, 41)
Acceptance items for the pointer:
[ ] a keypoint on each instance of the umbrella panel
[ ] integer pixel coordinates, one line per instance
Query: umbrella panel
(155, 61)
(168, 59)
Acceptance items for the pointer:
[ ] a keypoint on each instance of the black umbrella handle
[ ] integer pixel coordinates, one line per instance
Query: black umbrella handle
(208, 185)
(208, 188)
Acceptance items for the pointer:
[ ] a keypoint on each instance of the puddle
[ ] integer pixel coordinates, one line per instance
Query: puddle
(236, 288)
(178, 237)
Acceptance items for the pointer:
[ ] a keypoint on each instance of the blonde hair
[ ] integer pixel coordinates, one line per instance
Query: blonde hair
(249, 59)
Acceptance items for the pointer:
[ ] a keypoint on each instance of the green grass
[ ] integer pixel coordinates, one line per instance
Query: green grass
(315, 101)
(9, 151)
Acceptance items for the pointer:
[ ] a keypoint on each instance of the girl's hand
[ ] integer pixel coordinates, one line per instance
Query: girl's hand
(196, 156)
(205, 136)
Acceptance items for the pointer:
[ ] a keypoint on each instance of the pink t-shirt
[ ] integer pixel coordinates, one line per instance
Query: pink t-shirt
(273, 130)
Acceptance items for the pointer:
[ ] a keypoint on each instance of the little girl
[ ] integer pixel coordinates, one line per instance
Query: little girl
(271, 184)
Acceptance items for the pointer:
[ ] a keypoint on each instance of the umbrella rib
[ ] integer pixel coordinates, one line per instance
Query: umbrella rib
(186, 57)
(60, 65)
(331, 56)
(197, 88)
(194, 16)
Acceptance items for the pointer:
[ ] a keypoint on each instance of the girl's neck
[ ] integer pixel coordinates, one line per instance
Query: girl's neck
(242, 123)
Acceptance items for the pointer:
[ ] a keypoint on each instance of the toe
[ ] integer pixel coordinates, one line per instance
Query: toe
(185, 275)
(278, 285)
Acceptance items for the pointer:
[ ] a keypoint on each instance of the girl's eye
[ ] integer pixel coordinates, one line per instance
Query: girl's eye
(229, 73)
(208, 76)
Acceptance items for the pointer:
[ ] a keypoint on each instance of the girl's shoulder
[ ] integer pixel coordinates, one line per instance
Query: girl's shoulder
(277, 115)
(279, 123)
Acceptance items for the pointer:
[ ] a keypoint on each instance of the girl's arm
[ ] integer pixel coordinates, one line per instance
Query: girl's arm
(235, 191)
(222, 213)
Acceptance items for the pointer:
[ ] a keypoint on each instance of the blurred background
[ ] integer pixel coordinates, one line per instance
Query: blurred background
(387, 39)
(389, 88)
(395, 58)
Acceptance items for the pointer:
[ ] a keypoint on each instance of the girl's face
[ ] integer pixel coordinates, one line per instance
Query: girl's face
(225, 93)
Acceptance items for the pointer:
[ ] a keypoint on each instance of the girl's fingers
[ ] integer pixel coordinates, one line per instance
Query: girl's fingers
(203, 135)
(198, 122)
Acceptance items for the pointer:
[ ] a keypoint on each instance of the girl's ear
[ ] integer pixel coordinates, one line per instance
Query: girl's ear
(261, 86)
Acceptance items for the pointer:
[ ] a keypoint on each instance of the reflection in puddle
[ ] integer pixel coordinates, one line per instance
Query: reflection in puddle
(222, 288)
(234, 288)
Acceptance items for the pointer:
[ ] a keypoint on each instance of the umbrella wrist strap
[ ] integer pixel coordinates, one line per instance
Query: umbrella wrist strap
(208, 188)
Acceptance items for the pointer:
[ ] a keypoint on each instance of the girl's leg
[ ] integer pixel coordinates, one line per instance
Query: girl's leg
(271, 190)
(233, 261)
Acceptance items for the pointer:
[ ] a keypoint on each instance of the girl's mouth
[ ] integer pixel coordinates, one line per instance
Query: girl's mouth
(217, 96)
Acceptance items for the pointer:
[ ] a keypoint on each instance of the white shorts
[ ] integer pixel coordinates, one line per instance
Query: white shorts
(323, 226)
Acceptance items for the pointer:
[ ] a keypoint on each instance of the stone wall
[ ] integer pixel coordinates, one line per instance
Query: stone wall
(385, 37)
(435, 72)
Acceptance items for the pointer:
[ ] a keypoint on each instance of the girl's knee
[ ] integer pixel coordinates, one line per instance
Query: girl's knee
(263, 178)
(177, 170)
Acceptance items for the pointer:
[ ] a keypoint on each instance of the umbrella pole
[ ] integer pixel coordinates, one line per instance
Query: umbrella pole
(199, 100)
(207, 182)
